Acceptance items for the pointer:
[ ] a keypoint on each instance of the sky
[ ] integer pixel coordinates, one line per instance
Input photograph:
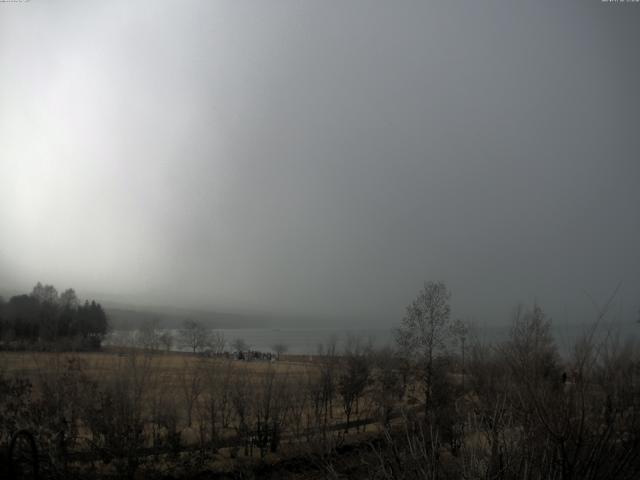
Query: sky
(321, 158)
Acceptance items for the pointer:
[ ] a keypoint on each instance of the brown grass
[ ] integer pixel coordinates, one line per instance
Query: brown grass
(31, 364)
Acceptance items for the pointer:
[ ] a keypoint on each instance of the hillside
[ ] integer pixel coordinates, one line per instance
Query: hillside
(131, 317)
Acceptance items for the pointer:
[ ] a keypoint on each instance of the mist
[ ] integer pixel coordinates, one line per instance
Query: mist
(323, 160)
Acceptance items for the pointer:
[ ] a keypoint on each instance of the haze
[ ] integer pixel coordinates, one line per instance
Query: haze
(323, 159)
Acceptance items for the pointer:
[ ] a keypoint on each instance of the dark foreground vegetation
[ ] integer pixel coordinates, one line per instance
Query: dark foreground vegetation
(440, 405)
(46, 320)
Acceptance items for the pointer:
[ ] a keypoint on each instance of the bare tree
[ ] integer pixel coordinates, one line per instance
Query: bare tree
(270, 406)
(193, 335)
(148, 335)
(166, 340)
(191, 380)
(298, 407)
(314, 391)
(217, 342)
(240, 345)
(424, 331)
(215, 407)
(280, 349)
(116, 413)
(68, 299)
(352, 382)
(539, 422)
(388, 383)
(327, 379)
(241, 396)
(45, 293)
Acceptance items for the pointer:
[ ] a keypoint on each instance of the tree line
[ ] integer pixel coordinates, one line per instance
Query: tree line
(48, 318)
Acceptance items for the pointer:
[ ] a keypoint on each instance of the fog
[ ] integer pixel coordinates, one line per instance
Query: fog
(323, 159)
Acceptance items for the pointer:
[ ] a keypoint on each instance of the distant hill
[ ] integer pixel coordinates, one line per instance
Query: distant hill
(131, 318)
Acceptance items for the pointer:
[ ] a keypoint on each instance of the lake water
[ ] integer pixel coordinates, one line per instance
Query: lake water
(305, 341)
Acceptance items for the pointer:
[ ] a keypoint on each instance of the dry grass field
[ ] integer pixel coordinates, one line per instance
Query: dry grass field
(201, 393)
(179, 402)
(168, 365)
(174, 376)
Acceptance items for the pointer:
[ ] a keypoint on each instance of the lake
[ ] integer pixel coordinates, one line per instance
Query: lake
(305, 341)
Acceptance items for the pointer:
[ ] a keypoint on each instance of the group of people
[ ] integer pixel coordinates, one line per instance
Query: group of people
(247, 355)
(250, 355)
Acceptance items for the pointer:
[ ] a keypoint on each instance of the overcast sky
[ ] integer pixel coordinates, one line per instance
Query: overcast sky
(323, 157)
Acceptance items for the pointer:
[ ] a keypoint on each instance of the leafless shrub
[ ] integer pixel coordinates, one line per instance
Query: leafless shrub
(217, 343)
(549, 424)
(354, 378)
(166, 340)
(404, 454)
(191, 380)
(16, 406)
(241, 399)
(215, 407)
(270, 408)
(148, 335)
(115, 414)
(164, 422)
(61, 389)
(388, 388)
(299, 406)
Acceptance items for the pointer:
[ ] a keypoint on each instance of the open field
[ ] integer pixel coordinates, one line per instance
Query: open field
(32, 364)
